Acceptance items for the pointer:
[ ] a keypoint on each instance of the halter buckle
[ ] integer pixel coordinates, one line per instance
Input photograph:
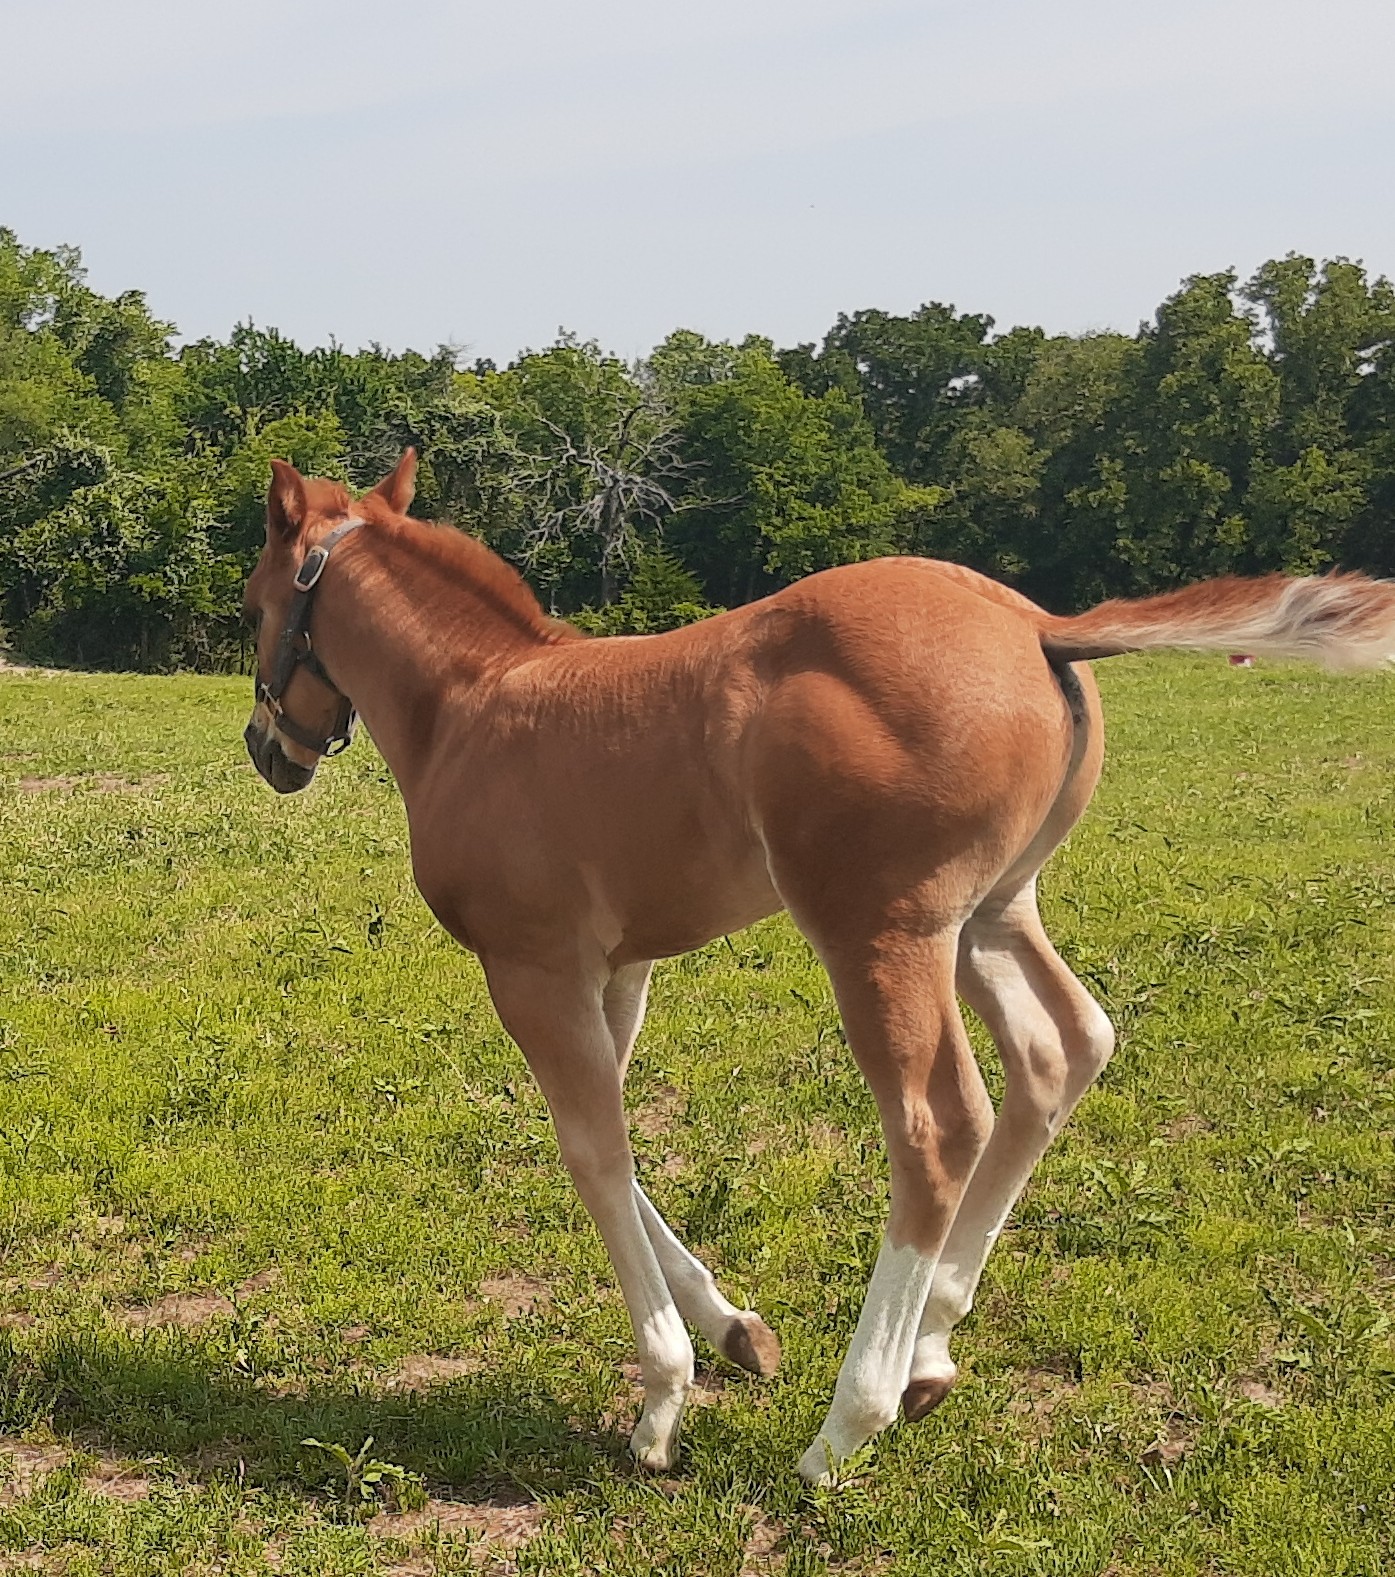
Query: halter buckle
(311, 568)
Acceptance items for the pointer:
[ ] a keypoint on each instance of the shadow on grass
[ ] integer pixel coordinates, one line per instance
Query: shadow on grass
(481, 1433)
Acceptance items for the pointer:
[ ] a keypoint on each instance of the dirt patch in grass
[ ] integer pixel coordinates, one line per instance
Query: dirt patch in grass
(1260, 1394)
(1175, 1438)
(708, 1387)
(654, 1122)
(99, 782)
(707, 1390)
(283, 1385)
(821, 1135)
(30, 1561)
(184, 1309)
(32, 1461)
(517, 1295)
(1187, 1124)
(627, 1403)
(657, 1115)
(216, 1457)
(496, 1526)
(420, 1371)
(1176, 1430)
(260, 1282)
(28, 1462)
(1039, 1393)
(117, 1481)
(763, 1555)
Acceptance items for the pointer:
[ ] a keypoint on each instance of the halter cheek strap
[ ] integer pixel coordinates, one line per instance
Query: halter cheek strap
(294, 650)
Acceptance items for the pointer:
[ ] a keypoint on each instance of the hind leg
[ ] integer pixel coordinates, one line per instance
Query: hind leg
(903, 1024)
(1053, 1039)
(740, 1335)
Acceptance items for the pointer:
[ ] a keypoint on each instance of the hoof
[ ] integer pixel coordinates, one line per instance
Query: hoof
(750, 1344)
(923, 1396)
(657, 1457)
(654, 1445)
(818, 1465)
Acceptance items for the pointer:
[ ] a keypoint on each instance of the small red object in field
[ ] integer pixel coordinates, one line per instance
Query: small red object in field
(1241, 660)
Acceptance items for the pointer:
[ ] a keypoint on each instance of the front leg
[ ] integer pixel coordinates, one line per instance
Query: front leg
(557, 1018)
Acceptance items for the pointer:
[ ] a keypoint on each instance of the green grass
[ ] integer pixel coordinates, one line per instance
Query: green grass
(245, 1083)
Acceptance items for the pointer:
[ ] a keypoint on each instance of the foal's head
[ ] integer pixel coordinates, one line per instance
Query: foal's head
(300, 715)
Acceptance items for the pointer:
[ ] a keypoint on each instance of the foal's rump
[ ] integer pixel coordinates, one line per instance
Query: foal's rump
(912, 739)
(1341, 621)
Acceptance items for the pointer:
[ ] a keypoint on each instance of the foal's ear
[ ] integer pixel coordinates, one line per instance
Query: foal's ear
(398, 490)
(285, 501)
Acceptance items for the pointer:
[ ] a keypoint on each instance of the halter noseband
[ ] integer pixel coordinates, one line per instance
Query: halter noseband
(295, 651)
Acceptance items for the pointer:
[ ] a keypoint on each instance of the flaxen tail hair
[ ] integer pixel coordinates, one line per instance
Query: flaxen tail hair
(1340, 621)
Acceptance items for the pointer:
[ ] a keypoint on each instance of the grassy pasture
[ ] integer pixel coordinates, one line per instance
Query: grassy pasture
(270, 1171)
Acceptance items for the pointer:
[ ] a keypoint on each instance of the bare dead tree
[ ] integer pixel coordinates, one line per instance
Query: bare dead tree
(610, 486)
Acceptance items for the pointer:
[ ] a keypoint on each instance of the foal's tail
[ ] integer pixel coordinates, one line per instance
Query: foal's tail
(1340, 621)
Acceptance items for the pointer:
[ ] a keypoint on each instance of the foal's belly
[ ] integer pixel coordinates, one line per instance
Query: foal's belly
(689, 914)
(640, 888)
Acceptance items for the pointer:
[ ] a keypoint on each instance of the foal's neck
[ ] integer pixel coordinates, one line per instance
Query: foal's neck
(418, 615)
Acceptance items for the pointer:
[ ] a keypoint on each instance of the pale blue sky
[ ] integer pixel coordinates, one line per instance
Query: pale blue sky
(426, 171)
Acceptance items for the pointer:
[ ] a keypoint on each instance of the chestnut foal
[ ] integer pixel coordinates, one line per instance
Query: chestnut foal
(889, 751)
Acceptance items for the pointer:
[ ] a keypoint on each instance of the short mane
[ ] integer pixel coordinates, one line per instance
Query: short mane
(456, 552)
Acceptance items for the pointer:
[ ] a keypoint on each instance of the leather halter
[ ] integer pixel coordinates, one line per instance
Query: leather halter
(295, 651)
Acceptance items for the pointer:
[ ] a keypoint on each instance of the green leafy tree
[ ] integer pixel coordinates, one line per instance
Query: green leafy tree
(123, 572)
(784, 482)
(1195, 416)
(313, 443)
(43, 390)
(661, 594)
(1370, 538)
(1323, 325)
(1328, 494)
(1299, 515)
(917, 378)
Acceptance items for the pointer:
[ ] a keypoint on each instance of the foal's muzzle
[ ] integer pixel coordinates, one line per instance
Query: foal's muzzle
(284, 775)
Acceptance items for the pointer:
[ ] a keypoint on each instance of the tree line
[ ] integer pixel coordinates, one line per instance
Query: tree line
(1249, 426)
